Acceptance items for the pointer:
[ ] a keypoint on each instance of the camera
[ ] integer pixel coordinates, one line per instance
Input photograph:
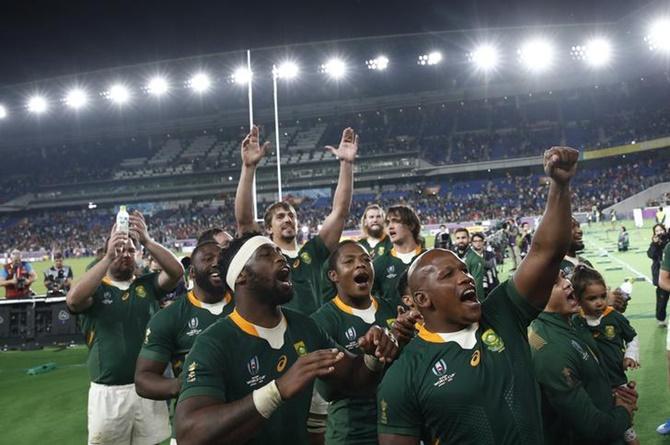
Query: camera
(21, 283)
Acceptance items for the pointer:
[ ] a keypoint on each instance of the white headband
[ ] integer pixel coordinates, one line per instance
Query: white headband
(242, 256)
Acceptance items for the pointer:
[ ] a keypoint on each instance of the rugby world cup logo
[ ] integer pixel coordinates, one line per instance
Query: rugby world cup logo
(193, 323)
(253, 366)
(350, 334)
(440, 368)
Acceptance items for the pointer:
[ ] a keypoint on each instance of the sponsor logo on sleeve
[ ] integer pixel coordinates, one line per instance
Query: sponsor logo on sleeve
(190, 377)
(383, 415)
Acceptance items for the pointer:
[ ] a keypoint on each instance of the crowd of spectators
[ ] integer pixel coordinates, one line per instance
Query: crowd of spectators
(506, 196)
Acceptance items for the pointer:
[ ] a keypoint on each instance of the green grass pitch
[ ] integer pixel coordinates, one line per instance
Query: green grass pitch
(52, 407)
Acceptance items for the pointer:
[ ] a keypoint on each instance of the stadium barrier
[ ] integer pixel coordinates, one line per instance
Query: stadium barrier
(37, 321)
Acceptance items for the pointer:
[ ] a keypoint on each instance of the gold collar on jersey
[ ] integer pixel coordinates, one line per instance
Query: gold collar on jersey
(341, 305)
(197, 303)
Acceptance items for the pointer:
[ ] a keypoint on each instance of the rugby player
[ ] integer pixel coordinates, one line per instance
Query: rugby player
(249, 377)
(467, 377)
(281, 221)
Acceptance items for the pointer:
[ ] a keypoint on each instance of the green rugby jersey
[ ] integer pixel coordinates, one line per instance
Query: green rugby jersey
(476, 389)
(384, 245)
(114, 327)
(172, 331)
(665, 262)
(577, 402)
(568, 266)
(352, 420)
(388, 270)
(306, 275)
(230, 360)
(328, 290)
(611, 337)
(475, 264)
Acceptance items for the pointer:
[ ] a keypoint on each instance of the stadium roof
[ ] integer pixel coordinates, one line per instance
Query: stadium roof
(405, 73)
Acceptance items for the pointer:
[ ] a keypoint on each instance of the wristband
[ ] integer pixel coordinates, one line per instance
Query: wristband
(267, 399)
(372, 363)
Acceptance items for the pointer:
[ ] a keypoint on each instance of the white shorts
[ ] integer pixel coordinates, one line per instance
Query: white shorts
(117, 415)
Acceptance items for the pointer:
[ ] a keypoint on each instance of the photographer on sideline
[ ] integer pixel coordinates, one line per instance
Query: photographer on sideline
(655, 253)
(58, 278)
(16, 277)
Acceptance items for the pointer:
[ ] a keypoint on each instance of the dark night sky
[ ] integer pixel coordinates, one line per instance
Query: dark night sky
(48, 38)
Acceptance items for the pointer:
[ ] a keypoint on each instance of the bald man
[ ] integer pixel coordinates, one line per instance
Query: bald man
(467, 377)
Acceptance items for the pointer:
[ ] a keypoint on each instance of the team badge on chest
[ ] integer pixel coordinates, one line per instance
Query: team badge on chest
(193, 327)
(493, 341)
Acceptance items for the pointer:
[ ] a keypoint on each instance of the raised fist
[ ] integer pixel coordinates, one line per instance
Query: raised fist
(560, 163)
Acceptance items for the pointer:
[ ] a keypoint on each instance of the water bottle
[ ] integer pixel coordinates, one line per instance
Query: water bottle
(122, 220)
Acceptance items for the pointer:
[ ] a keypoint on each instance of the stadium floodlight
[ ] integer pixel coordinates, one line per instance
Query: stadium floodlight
(157, 86)
(242, 75)
(37, 104)
(432, 58)
(658, 37)
(76, 98)
(485, 57)
(335, 68)
(200, 83)
(596, 52)
(286, 70)
(379, 63)
(536, 55)
(118, 94)
(3, 112)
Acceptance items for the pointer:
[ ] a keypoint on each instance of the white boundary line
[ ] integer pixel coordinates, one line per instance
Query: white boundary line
(602, 250)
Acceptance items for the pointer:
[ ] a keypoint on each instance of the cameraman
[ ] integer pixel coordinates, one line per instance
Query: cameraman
(655, 253)
(58, 278)
(16, 277)
(443, 239)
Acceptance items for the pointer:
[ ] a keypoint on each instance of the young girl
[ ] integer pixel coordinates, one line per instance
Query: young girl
(616, 339)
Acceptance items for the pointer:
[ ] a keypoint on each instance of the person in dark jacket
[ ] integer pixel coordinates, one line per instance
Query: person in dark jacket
(655, 253)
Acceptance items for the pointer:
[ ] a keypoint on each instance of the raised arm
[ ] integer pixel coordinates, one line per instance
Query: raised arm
(538, 271)
(333, 225)
(80, 296)
(252, 153)
(171, 269)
